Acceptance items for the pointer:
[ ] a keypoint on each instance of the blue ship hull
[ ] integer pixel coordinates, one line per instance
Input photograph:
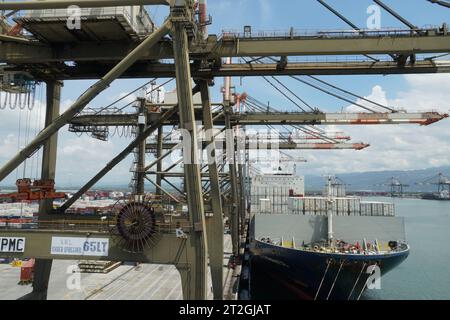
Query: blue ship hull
(309, 275)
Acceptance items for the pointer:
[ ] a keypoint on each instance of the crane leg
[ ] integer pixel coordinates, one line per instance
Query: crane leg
(42, 268)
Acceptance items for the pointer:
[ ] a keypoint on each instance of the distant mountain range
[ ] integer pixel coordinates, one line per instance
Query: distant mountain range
(372, 181)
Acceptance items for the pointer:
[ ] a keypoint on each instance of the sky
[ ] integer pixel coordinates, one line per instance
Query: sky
(392, 147)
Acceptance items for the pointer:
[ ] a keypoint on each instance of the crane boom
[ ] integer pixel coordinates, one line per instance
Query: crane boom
(264, 118)
(277, 145)
(423, 119)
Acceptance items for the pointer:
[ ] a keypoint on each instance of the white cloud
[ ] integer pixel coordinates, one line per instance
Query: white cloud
(8, 146)
(266, 11)
(396, 147)
(86, 148)
(377, 95)
(10, 115)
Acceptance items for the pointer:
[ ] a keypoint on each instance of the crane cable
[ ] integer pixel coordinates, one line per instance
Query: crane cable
(286, 88)
(116, 130)
(37, 124)
(352, 94)
(129, 94)
(18, 140)
(291, 92)
(284, 94)
(347, 21)
(332, 94)
(317, 132)
(342, 90)
(124, 97)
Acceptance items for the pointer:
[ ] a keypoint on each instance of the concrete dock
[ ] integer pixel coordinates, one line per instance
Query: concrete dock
(127, 282)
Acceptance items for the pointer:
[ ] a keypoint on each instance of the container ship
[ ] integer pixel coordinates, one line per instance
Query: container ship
(319, 248)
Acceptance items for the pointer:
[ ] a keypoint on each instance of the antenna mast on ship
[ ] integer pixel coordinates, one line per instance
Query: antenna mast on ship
(330, 212)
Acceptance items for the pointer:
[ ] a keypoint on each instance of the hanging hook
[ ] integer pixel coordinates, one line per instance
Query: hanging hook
(10, 102)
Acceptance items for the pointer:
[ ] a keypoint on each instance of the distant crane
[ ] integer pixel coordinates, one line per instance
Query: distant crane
(443, 185)
(335, 187)
(396, 186)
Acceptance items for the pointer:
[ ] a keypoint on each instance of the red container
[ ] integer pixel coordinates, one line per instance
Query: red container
(26, 271)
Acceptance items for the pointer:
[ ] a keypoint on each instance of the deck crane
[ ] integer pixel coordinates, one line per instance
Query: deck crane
(396, 186)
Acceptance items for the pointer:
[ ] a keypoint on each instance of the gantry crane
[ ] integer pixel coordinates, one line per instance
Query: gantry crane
(395, 185)
(443, 187)
(53, 57)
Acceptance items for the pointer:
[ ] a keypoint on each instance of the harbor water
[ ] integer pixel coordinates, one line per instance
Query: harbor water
(425, 274)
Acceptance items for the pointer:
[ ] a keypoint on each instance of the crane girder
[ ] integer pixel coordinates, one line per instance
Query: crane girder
(285, 118)
(276, 145)
(426, 118)
(213, 48)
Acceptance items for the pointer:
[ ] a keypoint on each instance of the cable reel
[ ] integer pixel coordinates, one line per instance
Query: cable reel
(134, 224)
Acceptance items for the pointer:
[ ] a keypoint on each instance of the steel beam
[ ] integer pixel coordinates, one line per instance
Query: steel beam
(38, 245)
(174, 187)
(261, 118)
(196, 288)
(83, 100)
(328, 68)
(292, 118)
(320, 44)
(145, 134)
(147, 69)
(161, 189)
(63, 4)
(442, 3)
(395, 14)
(277, 145)
(313, 146)
(215, 228)
(173, 174)
(43, 266)
(351, 44)
(140, 185)
(233, 204)
(159, 152)
(105, 120)
(242, 200)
